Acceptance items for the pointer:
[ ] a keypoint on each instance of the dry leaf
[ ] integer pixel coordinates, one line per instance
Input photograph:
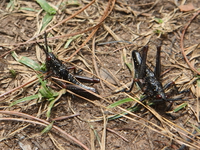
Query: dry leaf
(104, 74)
(187, 7)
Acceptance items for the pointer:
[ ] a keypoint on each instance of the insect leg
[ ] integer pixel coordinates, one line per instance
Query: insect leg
(82, 78)
(75, 71)
(45, 38)
(86, 79)
(167, 85)
(142, 67)
(157, 70)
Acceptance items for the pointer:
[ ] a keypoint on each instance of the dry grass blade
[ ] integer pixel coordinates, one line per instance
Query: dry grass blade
(98, 38)
(8, 92)
(92, 139)
(65, 117)
(181, 42)
(159, 129)
(103, 139)
(50, 30)
(56, 143)
(198, 100)
(12, 133)
(108, 10)
(40, 122)
(117, 134)
(165, 131)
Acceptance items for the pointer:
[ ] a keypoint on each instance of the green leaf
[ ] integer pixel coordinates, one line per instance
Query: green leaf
(198, 129)
(30, 63)
(10, 5)
(28, 9)
(43, 67)
(26, 61)
(158, 20)
(49, 127)
(13, 73)
(71, 39)
(179, 107)
(53, 101)
(45, 91)
(198, 82)
(96, 134)
(50, 106)
(130, 66)
(73, 3)
(50, 10)
(24, 99)
(157, 31)
(120, 102)
(46, 20)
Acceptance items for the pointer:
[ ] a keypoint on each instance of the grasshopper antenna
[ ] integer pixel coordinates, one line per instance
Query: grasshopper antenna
(42, 47)
(45, 38)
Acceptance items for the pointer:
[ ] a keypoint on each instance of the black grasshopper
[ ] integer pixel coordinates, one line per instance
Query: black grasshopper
(149, 81)
(56, 68)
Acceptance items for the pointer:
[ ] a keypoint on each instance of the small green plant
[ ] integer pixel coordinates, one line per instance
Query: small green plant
(50, 12)
(29, 62)
(44, 92)
(157, 31)
(120, 102)
(13, 73)
(158, 20)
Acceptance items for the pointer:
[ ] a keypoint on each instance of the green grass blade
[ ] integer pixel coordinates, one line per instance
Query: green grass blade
(120, 102)
(179, 107)
(24, 99)
(96, 134)
(73, 3)
(45, 91)
(53, 101)
(50, 10)
(71, 39)
(28, 9)
(27, 61)
(46, 20)
(30, 63)
(198, 129)
(131, 109)
(50, 106)
(10, 6)
(49, 127)
(198, 81)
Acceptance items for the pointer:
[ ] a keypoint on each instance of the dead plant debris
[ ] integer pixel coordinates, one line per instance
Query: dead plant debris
(98, 37)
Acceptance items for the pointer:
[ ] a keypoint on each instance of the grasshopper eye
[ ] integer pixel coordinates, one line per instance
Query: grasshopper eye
(158, 96)
(48, 57)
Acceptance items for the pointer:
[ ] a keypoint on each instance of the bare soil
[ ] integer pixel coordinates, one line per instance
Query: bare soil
(129, 25)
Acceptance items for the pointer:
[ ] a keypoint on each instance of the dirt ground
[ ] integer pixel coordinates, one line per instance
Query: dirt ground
(99, 40)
